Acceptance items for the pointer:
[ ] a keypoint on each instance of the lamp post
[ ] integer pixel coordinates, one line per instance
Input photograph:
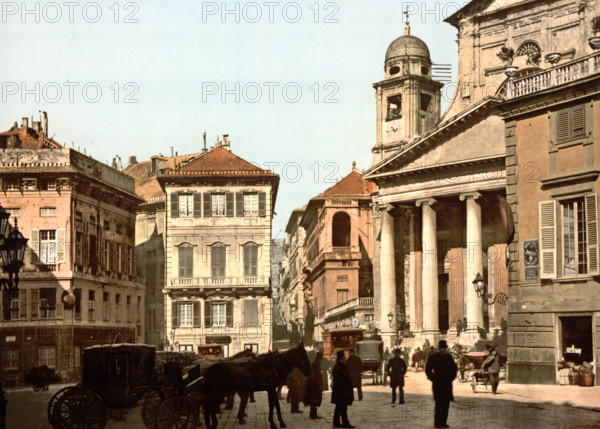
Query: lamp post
(399, 325)
(488, 298)
(12, 249)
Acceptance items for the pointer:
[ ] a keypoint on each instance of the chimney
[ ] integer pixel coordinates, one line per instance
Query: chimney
(36, 125)
(131, 160)
(204, 150)
(226, 142)
(25, 123)
(45, 116)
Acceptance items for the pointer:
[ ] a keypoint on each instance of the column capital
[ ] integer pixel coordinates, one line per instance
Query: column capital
(385, 207)
(426, 201)
(475, 195)
(410, 212)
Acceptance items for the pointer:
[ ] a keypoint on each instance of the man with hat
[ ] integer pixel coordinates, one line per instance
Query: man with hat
(441, 370)
(342, 393)
(396, 369)
(492, 366)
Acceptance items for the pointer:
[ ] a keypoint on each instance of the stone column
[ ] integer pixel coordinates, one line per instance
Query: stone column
(474, 263)
(429, 276)
(410, 284)
(387, 264)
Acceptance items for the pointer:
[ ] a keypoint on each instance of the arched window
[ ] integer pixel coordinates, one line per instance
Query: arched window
(341, 230)
(532, 50)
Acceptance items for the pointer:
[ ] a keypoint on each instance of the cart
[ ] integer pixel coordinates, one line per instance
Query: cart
(371, 353)
(41, 377)
(478, 375)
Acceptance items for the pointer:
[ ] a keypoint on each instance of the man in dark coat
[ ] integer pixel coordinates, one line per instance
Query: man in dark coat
(325, 373)
(314, 387)
(342, 393)
(355, 368)
(396, 369)
(384, 364)
(441, 370)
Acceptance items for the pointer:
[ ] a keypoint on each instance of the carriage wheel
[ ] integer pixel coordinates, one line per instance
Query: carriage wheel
(52, 405)
(152, 398)
(79, 408)
(176, 412)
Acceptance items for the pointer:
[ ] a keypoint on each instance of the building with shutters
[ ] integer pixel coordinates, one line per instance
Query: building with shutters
(337, 256)
(552, 135)
(218, 252)
(77, 287)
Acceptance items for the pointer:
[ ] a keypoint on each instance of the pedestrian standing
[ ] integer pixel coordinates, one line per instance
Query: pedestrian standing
(342, 393)
(296, 383)
(396, 368)
(314, 387)
(325, 373)
(355, 368)
(441, 370)
(492, 365)
(384, 364)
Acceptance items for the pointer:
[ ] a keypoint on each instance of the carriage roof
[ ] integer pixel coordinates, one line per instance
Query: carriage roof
(369, 350)
(131, 364)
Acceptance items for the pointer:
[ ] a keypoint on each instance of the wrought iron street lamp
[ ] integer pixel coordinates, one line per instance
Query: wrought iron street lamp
(12, 249)
(399, 325)
(488, 298)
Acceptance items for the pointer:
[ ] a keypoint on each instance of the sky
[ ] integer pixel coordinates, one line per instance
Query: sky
(290, 82)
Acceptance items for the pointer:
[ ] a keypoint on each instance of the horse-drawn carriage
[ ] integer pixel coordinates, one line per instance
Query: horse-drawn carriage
(40, 377)
(120, 376)
(371, 353)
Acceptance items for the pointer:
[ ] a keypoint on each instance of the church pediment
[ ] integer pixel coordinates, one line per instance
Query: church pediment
(475, 134)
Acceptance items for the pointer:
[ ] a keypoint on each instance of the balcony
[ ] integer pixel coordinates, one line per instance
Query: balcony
(559, 75)
(216, 282)
(351, 305)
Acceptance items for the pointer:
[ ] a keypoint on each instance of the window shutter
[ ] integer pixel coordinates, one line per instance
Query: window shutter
(35, 305)
(578, 122)
(229, 313)
(246, 261)
(197, 314)
(197, 204)
(229, 204)
(207, 314)
(262, 204)
(174, 205)
(239, 204)
(207, 204)
(85, 248)
(562, 126)
(591, 219)
(548, 239)
(174, 314)
(34, 255)
(60, 251)
(23, 303)
(5, 305)
(59, 306)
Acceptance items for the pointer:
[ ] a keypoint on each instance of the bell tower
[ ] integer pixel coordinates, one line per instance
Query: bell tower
(408, 99)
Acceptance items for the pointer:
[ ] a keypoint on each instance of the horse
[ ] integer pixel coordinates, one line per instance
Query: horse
(264, 373)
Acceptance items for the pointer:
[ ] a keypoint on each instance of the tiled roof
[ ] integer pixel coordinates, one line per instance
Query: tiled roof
(146, 184)
(219, 162)
(352, 184)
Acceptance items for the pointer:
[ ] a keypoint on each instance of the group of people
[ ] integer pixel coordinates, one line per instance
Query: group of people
(440, 370)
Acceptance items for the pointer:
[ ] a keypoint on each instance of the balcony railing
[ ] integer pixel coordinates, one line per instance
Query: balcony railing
(348, 305)
(554, 76)
(219, 281)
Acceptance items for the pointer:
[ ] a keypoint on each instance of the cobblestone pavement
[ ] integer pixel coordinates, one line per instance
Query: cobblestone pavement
(516, 406)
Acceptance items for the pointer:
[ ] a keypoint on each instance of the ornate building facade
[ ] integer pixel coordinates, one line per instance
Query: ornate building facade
(218, 252)
(439, 209)
(337, 271)
(77, 287)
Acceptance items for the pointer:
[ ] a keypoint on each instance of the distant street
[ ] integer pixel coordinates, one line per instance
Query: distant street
(27, 409)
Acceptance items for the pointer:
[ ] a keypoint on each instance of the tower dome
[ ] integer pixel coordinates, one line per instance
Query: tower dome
(407, 45)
